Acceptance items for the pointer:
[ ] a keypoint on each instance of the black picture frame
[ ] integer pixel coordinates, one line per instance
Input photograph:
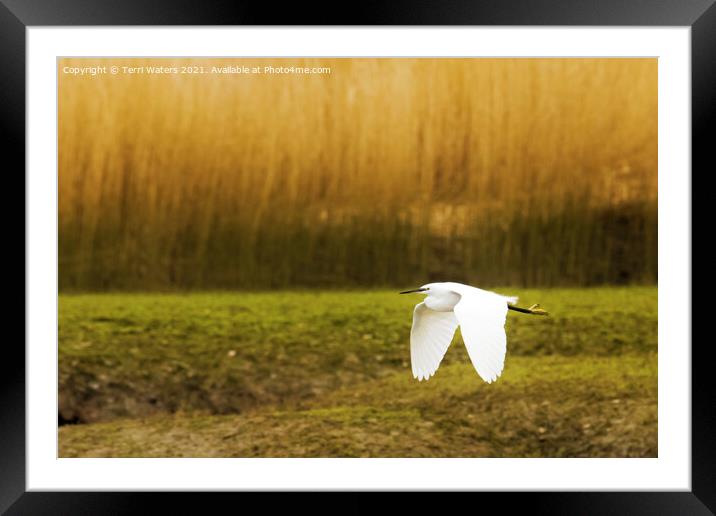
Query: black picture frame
(17, 15)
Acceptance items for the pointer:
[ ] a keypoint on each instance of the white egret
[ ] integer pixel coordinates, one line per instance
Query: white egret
(479, 313)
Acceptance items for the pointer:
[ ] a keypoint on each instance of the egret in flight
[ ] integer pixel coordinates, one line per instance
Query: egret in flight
(479, 313)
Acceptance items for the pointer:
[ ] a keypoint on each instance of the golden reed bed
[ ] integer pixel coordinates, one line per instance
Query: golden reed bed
(382, 171)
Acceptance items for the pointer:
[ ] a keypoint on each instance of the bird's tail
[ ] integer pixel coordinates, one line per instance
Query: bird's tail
(512, 299)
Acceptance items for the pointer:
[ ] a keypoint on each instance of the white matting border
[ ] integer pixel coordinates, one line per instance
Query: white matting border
(670, 471)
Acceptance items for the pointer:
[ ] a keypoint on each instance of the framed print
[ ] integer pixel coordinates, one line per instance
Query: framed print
(421, 249)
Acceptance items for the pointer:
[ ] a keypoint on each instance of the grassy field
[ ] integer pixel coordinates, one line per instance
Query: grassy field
(326, 374)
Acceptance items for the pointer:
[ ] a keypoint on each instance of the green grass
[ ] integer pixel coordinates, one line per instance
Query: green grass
(328, 374)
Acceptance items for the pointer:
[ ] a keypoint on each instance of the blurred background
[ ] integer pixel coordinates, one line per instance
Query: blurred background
(529, 172)
(231, 247)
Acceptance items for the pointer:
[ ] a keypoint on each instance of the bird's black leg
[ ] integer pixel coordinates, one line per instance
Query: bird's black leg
(533, 310)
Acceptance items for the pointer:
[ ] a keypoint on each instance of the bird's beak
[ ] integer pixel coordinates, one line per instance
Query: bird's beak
(414, 290)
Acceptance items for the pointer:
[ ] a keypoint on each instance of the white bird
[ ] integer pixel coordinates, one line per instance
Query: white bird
(479, 313)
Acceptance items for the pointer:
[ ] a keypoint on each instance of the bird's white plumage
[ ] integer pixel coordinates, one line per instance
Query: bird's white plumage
(481, 316)
(430, 338)
(482, 324)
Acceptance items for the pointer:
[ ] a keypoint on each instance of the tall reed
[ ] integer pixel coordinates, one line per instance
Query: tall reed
(383, 172)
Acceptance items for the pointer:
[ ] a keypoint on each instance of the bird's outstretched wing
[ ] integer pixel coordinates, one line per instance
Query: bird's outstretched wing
(481, 316)
(430, 338)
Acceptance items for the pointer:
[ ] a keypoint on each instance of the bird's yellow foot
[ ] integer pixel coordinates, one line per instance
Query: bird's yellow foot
(535, 309)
